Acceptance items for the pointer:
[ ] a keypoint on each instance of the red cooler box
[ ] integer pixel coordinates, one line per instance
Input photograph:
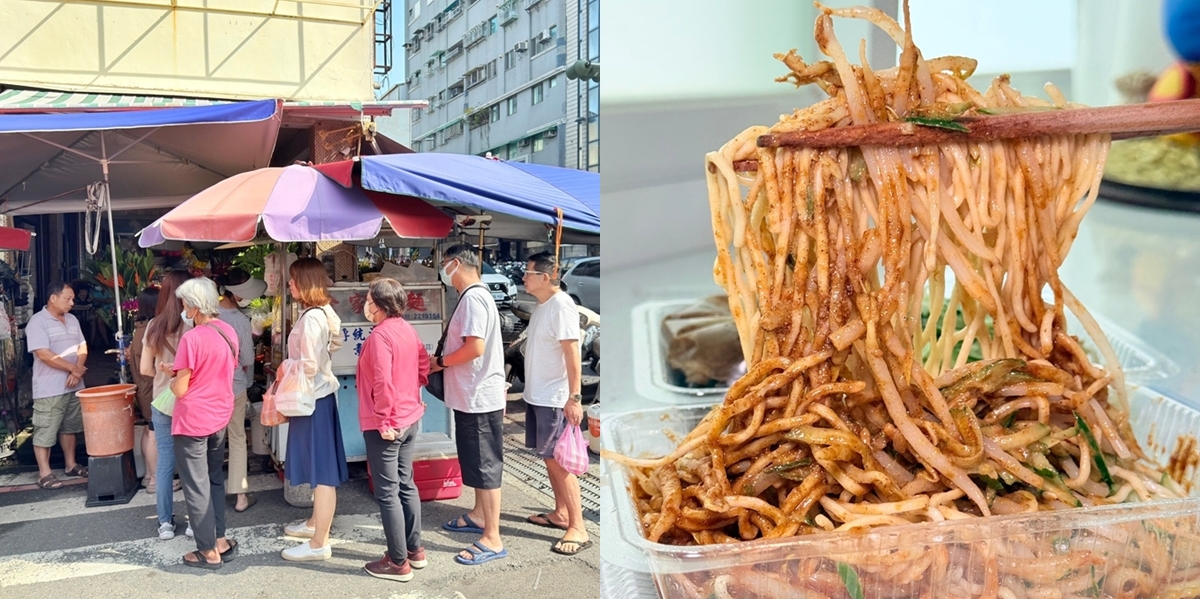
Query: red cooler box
(439, 478)
(436, 478)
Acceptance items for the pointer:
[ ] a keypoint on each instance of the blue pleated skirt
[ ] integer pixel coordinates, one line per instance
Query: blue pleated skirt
(315, 454)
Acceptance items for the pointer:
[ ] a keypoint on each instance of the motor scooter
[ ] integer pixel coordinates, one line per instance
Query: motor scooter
(589, 327)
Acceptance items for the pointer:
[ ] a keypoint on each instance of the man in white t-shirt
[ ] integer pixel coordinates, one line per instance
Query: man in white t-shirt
(59, 352)
(553, 374)
(473, 359)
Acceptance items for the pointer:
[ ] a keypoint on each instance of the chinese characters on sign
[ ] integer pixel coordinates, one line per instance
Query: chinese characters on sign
(358, 334)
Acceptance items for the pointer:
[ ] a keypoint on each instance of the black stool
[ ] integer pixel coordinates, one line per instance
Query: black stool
(112, 480)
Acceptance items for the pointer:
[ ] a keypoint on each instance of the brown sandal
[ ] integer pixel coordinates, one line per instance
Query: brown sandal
(49, 482)
(78, 470)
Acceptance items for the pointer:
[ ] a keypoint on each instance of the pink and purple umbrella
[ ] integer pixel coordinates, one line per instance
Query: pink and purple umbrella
(293, 203)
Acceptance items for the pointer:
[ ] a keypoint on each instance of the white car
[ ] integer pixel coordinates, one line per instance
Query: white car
(583, 282)
(502, 289)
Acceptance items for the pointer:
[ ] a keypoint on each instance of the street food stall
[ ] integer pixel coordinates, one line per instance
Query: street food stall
(384, 203)
(435, 459)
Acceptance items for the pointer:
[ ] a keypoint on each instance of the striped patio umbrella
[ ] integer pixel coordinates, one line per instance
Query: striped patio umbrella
(293, 203)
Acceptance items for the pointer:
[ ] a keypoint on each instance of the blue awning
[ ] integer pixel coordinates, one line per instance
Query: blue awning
(155, 157)
(525, 191)
(238, 112)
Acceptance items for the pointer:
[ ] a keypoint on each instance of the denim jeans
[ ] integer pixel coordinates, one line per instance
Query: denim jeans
(164, 475)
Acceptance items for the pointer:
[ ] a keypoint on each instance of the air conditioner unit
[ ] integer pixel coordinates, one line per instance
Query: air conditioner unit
(521, 46)
(543, 35)
(552, 132)
(523, 143)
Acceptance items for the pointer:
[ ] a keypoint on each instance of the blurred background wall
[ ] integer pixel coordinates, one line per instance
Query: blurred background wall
(684, 77)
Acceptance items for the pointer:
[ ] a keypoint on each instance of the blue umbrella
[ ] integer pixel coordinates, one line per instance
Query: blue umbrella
(529, 192)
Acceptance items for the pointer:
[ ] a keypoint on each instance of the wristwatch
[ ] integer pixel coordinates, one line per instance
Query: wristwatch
(438, 361)
(576, 397)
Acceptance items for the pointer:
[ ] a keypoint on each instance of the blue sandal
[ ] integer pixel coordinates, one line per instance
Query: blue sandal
(470, 526)
(478, 557)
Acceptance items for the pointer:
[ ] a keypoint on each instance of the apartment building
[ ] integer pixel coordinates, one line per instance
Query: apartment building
(494, 77)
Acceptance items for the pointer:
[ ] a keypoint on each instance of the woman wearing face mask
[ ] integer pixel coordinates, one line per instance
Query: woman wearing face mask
(315, 455)
(202, 371)
(158, 348)
(392, 368)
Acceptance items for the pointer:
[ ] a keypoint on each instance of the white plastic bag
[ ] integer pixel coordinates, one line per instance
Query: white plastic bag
(571, 451)
(5, 325)
(293, 394)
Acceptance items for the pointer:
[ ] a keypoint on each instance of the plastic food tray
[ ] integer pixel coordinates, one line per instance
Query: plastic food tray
(773, 568)
(652, 374)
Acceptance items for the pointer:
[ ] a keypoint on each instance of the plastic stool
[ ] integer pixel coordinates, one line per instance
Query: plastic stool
(112, 480)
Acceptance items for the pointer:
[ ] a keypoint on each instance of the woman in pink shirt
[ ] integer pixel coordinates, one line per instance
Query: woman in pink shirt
(392, 368)
(203, 370)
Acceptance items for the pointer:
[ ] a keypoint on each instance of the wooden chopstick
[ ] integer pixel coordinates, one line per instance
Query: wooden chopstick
(1123, 122)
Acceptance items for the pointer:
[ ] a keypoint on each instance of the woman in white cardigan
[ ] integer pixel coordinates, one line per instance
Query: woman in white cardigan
(315, 454)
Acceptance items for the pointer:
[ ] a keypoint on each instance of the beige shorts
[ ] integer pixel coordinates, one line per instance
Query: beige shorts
(55, 415)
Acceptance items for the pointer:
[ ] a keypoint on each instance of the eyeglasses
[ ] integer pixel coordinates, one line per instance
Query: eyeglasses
(536, 272)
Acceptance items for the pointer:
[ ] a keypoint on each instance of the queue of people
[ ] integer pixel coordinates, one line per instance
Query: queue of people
(195, 358)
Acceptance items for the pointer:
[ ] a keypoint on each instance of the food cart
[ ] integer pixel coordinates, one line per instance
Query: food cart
(435, 460)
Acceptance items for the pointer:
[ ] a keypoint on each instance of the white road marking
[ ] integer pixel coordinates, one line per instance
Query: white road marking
(72, 505)
(141, 554)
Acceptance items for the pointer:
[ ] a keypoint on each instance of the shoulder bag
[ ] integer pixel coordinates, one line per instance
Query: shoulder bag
(165, 401)
(436, 381)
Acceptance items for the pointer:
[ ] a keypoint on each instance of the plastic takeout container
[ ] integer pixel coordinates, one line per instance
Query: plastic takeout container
(654, 379)
(1143, 549)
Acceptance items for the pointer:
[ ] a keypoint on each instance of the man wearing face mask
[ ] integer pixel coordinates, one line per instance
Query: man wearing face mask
(240, 290)
(474, 388)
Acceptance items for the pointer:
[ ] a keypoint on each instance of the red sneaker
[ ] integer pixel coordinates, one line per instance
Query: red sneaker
(417, 559)
(387, 569)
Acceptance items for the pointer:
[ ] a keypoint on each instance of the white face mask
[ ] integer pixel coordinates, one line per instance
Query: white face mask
(188, 321)
(243, 303)
(446, 274)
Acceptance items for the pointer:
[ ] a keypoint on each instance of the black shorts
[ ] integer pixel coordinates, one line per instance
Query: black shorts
(543, 427)
(480, 442)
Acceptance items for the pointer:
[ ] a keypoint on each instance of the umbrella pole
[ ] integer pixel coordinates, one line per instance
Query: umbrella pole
(112, 242)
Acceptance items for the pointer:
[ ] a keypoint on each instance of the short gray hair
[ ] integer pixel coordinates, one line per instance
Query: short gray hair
(545, 262)
(466, 255)
(200, 293)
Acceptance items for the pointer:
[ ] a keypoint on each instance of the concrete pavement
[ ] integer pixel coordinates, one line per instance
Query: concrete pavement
(51, 546)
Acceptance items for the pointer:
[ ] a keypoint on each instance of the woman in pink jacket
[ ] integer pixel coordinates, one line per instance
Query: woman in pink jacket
(392, 368)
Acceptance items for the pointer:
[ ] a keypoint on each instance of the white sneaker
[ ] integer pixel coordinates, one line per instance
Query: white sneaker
(305, 553)
(189, 532)
(166, 531)
(299, 530)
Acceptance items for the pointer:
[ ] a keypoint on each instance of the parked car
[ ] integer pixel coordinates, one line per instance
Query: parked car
(583, 282)
(502, 289)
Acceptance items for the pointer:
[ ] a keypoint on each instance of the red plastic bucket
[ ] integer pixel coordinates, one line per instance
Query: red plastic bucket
(108, 419)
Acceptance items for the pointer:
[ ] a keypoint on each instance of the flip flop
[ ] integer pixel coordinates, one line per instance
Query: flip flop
(545, 522)
(579, 546)
(78, 470)
(229, 554)
(470, 526)
(201, 562)
(250, 501)
(482, 556)
(49, 482)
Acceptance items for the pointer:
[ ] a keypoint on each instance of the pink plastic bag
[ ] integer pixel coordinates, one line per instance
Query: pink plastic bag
(571, 451)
